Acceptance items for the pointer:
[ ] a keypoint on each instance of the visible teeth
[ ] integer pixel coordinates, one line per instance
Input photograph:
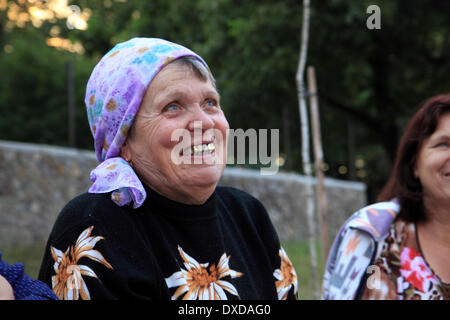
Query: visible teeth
(200, 149)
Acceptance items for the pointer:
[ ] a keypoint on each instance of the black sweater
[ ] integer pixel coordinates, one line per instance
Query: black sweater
(226, 248)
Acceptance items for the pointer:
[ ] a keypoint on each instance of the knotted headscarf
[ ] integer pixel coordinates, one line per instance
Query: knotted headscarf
(113, 96)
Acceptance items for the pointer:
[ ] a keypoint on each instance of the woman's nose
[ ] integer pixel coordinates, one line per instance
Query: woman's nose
(200, 120)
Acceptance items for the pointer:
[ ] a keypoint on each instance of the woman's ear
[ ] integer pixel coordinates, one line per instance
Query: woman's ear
(125, 151)
(416, 172)
(414, 166)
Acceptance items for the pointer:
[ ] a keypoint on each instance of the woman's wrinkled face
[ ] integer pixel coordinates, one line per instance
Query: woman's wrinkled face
(433, 163)
(178, 143)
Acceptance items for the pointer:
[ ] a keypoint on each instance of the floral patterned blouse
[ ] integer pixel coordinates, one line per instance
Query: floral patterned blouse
(403, 272)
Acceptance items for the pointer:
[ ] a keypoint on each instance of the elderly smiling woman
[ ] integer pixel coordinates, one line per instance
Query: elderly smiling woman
(154, 224)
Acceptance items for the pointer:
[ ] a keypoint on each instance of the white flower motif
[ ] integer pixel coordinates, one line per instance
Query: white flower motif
(198, 282)
(286, 276)
(68, 282)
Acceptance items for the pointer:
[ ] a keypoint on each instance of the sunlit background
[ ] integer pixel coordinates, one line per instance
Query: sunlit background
(370, 81)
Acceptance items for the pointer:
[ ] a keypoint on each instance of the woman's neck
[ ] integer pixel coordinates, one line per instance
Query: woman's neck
(437, 221)
(434, 238)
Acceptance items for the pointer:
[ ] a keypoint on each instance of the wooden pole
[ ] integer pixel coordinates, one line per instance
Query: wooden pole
(305, 147)
(321, 198)
(285, 120)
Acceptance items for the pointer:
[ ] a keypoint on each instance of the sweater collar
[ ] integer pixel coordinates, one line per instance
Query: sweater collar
(163, 206)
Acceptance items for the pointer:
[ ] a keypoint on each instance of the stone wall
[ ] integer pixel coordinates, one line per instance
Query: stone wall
(36, 181)
(284, 196)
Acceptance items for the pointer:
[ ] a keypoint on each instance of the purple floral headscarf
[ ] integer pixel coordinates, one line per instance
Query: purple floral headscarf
(113, 96)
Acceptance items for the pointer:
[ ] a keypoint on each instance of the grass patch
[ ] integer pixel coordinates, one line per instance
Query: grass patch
(298, 252)
(30, 255)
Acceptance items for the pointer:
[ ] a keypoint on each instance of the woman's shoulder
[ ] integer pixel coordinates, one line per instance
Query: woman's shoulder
(87, 200)
(364, 229)
(374, 219)
(85, 210)
(86, 204)
(354, 247)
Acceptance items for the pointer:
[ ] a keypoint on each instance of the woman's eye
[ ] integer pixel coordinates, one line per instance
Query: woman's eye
(211, 103)
(172, 107)
(441, 144)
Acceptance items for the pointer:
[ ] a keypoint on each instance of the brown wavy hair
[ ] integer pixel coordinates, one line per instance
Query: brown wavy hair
(402, 183)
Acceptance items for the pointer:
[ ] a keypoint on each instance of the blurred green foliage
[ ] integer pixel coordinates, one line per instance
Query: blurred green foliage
(370, 81)
(33, 91)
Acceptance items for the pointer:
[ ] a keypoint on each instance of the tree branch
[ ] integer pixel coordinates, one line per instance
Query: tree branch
(368, 121)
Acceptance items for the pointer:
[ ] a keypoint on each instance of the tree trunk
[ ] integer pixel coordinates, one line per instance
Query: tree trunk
(305, 146)
(321, 198)
(287, 138)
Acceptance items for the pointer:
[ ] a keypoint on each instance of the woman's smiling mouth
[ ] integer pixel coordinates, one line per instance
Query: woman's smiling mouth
(199, 149)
